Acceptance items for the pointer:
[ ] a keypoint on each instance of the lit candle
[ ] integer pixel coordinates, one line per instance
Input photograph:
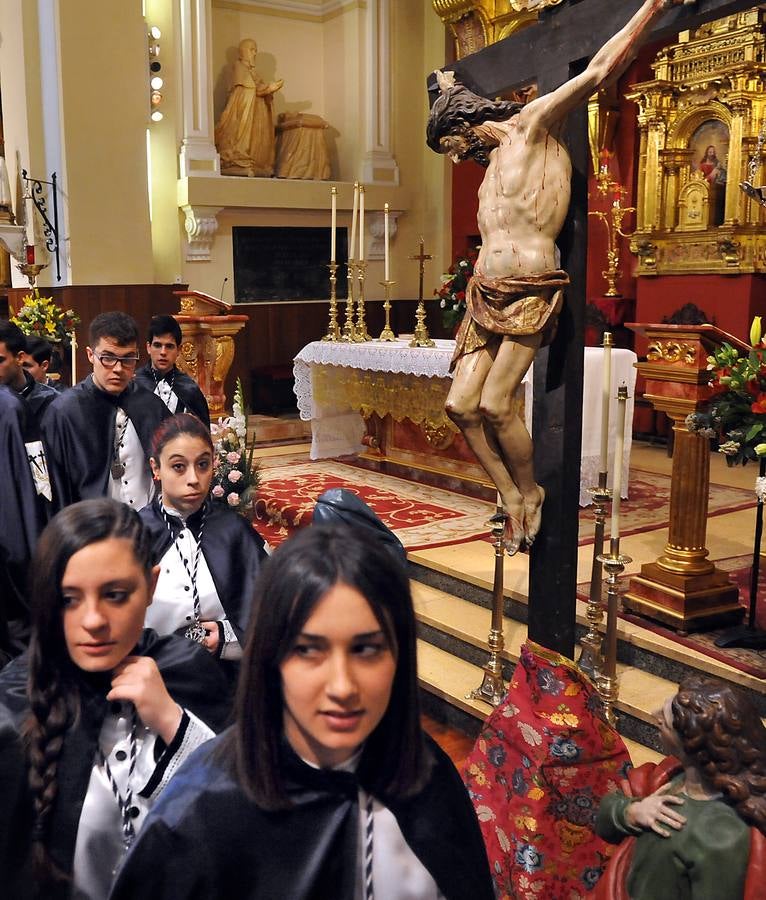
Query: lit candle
(361, 223)
(605, 397)
(622, 402)
(30, 254)
(387, 267)
(334, 222)
(352, 244)
(74, 358)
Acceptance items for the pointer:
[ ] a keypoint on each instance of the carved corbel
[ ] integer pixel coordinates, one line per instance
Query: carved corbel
(646, 251)
(201, 225)
(729, 251)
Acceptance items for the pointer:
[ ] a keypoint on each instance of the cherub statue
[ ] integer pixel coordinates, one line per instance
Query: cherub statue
(516, 294)
(245, 135)
(693, 826)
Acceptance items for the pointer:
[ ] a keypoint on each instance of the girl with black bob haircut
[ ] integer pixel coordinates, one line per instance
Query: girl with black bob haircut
(98, 713)
(325, 786)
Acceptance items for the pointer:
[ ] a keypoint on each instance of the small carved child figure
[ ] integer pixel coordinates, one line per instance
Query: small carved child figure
(696, 821)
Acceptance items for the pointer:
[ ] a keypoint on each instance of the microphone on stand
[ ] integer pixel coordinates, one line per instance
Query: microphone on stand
(223, 285)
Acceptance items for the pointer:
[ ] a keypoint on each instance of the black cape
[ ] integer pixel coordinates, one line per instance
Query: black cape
(232, 548)
(193, 680)
(78, 433)
(206, 839)
(190, 397)
(37, 398)
(18, 522)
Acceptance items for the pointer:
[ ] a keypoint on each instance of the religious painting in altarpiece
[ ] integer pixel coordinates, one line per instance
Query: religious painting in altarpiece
(699, 122)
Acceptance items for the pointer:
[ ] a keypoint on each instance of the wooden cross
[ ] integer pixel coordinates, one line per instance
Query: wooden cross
(550, 52)
(422, 257)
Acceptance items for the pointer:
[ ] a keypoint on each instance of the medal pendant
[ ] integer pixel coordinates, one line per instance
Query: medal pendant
(118, 470)
(196, 632)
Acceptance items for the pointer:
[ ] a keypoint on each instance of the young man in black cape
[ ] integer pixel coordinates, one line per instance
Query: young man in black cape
(98, 434)
(161, 376)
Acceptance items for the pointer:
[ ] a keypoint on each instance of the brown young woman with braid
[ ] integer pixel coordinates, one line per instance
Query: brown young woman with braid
(98, 714)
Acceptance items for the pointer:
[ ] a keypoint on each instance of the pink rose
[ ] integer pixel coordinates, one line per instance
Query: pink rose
(217, 491)
(233, 499)
(234, 476)
(233, 457)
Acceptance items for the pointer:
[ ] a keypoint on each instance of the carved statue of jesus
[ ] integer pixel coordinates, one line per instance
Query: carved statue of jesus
(516, 292)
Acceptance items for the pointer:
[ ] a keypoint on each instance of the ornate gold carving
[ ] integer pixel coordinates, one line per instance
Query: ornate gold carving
(672, 352)
(224, 356)
(187, 305)
(707, 89)
(187, 359)
(477, 23)
(438, 436)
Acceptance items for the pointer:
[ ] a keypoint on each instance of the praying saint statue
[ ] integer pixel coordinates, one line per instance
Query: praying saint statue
(245, 135)
(516, 293)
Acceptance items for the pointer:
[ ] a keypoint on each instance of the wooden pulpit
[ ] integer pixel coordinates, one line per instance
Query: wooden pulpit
(683, 588)
(207, 347)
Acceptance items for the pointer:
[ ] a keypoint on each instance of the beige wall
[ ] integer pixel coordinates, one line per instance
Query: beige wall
(104, 100)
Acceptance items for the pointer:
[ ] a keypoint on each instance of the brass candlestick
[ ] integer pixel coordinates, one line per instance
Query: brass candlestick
(387, 334)
(613, 223)
(333, 332)
(349, 331)
(361, 326)
(607, 683)
(493, 688)
(592, 655)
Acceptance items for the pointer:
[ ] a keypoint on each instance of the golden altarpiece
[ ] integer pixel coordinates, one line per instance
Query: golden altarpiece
(699, 120)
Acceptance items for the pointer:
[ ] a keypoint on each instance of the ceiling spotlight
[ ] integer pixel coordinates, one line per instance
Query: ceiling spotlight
(157, 116)
(156, 83)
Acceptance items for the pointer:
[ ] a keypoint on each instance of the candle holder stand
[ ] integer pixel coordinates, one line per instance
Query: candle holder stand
(592, 655)
(349, 331)
(493, 688)
(421, 338)
(607, 682)
(387, 334)
(31, 270)
(333, 331)
(361, 326)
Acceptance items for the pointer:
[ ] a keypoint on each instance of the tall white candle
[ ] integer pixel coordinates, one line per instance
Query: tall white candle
(352, 242)
(605, 397)
(622, 402)
(333, 222)
(74, 358)
(361, 223)
(387, 265)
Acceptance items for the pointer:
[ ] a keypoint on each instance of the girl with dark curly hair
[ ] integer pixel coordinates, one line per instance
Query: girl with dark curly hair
(98, 713)
(698, 819)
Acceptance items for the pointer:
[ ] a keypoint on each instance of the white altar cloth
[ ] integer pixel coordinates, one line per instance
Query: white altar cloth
(337, 430)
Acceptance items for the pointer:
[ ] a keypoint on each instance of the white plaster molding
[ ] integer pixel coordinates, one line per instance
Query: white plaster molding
(376, 241)
(201, 225)
(198, 155)
(378, 163)
(319, 10)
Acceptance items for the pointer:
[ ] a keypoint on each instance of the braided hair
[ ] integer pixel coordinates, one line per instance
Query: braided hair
(722, 735)
(52, 687)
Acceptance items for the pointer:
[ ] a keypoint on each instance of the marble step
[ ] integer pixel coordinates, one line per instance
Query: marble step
(639, 649)
(446, 679)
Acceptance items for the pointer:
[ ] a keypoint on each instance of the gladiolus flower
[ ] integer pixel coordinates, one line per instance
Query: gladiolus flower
(760, 449)
(755, 331)
(759, 406)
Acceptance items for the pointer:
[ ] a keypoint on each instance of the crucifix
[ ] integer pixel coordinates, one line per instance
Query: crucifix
(554, 51)
(421, 338)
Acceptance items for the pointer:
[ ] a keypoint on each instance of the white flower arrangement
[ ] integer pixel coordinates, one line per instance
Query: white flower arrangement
(236, 476)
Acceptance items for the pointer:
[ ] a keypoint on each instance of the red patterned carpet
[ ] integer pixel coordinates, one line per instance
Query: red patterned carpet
(423, 516)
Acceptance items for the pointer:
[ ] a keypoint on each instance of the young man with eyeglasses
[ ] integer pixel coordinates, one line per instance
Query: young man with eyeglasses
(161, 375)
(98, 433)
